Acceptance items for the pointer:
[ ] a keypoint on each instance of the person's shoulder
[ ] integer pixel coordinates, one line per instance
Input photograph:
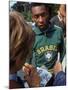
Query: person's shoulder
(53, 18)
(58, 29)
(36, 30)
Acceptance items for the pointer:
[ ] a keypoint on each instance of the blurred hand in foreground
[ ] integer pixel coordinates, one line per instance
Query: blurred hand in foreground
(31, 75)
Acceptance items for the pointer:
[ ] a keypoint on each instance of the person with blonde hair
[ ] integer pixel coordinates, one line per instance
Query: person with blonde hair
(60, 18)
(21, 38)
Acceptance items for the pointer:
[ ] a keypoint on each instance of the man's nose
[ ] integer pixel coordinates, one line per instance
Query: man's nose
(40, 18)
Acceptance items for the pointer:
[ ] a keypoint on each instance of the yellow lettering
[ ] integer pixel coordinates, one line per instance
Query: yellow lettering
(51, 47)
(38, 51)
(42, 49)
(46, 48)
(55, 48)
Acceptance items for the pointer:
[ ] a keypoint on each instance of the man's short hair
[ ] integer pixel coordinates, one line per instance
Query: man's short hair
(37, 4)
(33, 4)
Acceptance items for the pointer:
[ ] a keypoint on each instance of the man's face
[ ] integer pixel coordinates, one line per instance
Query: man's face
(62, 14)
(40, 16)
(62, 17)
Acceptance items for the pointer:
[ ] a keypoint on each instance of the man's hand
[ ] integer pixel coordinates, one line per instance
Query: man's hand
(31, 75)
(57, 68)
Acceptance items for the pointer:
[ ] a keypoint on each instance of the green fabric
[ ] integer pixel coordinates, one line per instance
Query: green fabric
(46, 47)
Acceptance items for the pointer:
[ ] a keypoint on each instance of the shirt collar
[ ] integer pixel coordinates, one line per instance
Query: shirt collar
(39, 32)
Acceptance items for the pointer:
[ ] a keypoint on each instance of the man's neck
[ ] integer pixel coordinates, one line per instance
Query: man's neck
(44, 29)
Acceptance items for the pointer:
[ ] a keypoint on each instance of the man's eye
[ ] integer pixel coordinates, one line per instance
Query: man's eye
(36, 16)
(42, 15)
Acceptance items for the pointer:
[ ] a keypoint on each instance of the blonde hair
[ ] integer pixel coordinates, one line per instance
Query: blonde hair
(62, 9)
(21, 37)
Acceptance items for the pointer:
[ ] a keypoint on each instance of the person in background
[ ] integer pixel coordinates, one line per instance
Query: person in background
(21, 40)
(48, 49)
(60, 18)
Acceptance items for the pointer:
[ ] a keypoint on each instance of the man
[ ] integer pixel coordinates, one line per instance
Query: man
(49, 47)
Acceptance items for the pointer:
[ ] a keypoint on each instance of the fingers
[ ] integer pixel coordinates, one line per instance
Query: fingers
(57, 68)
(28, 69)
(31, 75)
(29, 66)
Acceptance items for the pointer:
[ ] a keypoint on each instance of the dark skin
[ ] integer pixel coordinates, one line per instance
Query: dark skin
(40, 16)
(31, 75)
